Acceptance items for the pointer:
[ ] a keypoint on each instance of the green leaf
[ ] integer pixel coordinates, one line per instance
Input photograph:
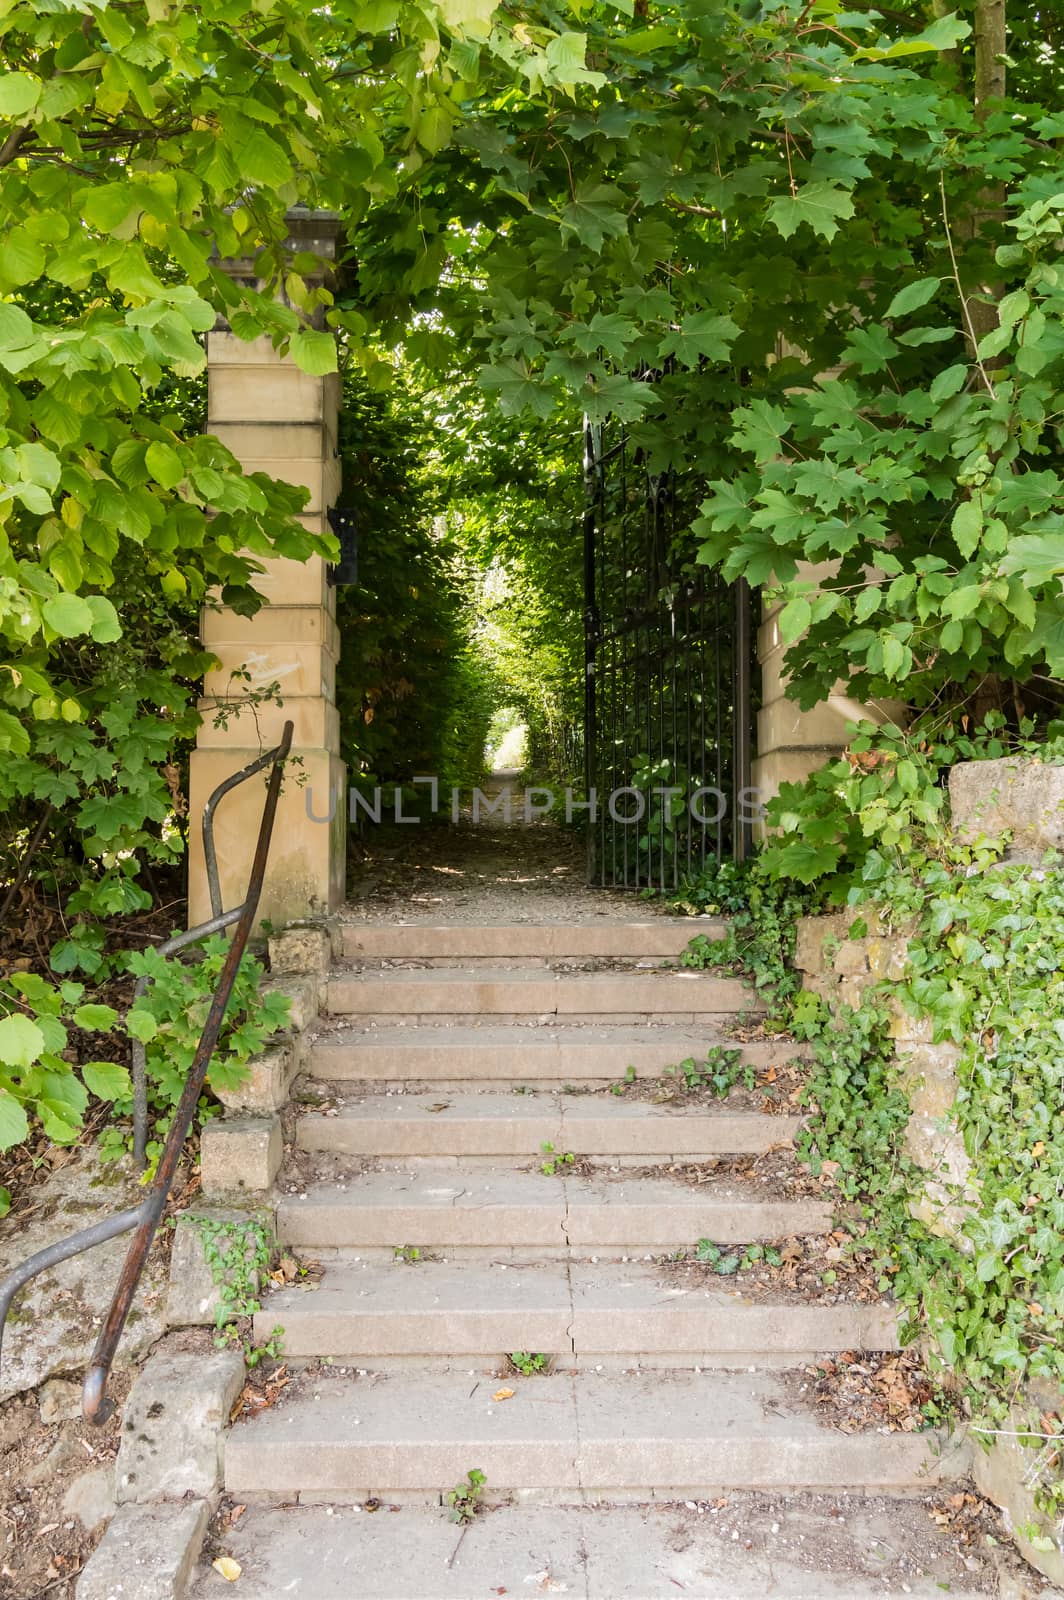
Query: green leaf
(472, 17)
(949, 382)
(19, 93)
(263, 161)
(68, 615)
(703, 334)
(13, 1124)
(794, 619)
(913, 296)
(107, 1081)
(759, 428)
(13, 736)
(967, 527)
(21, 1041)
(598, 212)
(1036, 558)
(95, 1018)
(164, 464)
(869, 348)
(819, 205)
(434, 129)
(314, 351)
(141, 1024)
(106, 628)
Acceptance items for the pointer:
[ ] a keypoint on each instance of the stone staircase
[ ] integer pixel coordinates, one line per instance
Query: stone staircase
(450, 1058)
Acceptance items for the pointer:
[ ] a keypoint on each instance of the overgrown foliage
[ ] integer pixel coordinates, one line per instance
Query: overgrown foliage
(44, 1025)
(976, 1260)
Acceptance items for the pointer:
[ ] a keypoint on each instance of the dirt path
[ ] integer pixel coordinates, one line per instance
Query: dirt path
(482, 869)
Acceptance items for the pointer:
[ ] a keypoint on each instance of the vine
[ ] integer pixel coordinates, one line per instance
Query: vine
(974, 1254)
(238, 1254)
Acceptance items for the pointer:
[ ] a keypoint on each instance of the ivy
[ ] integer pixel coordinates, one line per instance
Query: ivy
(977, 1261)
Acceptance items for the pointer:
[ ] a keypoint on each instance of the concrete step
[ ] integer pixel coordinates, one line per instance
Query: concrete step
(633, 1313)
(554, 1054)
(802, 1547)
(425, 1126)
(483, 992)
(498, 1212)
(641, 1435)
(417, 941)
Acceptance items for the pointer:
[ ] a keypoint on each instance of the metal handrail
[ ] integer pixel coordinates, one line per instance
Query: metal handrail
(146, 1217)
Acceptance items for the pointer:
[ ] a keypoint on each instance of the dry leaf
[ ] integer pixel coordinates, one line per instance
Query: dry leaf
(503, 1394)
(227, 1568)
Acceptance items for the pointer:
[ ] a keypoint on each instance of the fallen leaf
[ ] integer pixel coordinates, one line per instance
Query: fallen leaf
(227, 1568)
(503, 1394)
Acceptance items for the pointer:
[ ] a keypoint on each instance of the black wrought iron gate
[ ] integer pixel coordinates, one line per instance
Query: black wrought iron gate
(668, 685)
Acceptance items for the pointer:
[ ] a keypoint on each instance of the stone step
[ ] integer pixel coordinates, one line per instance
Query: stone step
(424, 1126)
(418, 941)
(631, 1435)
(483, 992)
(802, 1547)
(554, 1054)
(499, 1212)
(363, 1312)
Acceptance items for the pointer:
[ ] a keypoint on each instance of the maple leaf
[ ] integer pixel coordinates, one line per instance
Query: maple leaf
(821, 205)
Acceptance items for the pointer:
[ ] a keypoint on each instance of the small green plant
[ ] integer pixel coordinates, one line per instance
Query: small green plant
(255, 1353)
(556, 1162)
(464, 1499)
(629, 1079)
(528, 1362)
(409, 1254)
(238, 1253)
(726, 1264)
(169, 1019)
(722, 1069)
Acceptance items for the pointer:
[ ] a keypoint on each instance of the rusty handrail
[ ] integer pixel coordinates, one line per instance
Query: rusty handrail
(145, 1218)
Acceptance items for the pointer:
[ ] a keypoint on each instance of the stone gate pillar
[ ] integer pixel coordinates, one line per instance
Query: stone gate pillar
(792, 743)
(275, 419)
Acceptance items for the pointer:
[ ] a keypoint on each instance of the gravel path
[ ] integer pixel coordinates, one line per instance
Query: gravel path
(483, 872)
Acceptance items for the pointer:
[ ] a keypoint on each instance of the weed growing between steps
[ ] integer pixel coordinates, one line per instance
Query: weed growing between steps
(980, 1271)
(465, 1498)
(238, 1253)
(529, 1363)
(807, 1269)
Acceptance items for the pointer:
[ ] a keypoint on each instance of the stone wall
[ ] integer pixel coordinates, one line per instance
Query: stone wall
(1025, 800)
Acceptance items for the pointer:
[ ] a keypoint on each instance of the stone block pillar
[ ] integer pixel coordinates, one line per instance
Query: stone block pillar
(279, 420)
(792, 743)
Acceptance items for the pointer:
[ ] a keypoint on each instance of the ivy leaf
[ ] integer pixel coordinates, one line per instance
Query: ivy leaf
(820, 205)
(596, 214)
